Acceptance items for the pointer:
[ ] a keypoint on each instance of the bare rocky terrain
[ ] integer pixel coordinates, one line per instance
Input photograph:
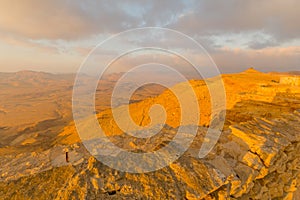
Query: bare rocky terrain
(256, 157)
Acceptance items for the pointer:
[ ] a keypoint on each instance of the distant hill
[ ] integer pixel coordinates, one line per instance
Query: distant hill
(297, 73)
(294, 72)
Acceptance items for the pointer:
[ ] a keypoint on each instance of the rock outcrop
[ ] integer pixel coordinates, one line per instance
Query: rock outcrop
(290, 80)
(258, 159)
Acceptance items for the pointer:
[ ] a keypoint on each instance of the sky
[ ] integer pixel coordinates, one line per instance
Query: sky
(57, 35)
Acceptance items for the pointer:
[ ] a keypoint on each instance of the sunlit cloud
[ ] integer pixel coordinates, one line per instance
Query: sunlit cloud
(236, 33)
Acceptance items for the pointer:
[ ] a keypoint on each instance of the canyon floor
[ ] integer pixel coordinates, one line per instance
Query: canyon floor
(256, 157)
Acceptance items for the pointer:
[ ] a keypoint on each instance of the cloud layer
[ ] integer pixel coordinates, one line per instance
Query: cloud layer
(71, 28)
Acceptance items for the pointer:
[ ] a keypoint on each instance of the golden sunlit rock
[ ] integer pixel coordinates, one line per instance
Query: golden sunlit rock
(256, 157)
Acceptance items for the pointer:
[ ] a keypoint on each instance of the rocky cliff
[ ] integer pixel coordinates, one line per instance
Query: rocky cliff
(256, 157)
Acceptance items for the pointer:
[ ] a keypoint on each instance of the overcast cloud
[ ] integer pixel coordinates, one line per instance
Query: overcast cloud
(256, 29)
